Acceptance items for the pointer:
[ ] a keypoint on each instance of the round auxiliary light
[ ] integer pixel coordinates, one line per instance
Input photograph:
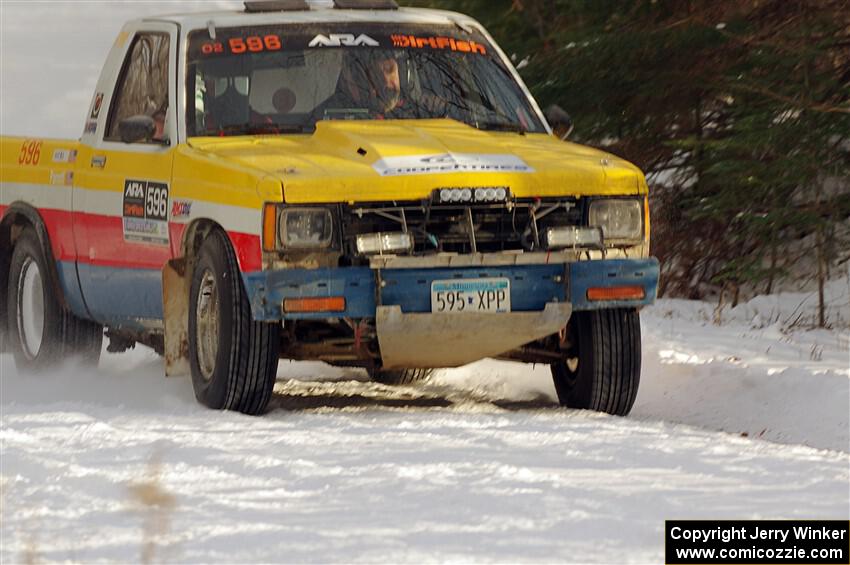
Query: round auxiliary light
(465, 195)
(491, 194)
(501, 194)
(445, 195)
(479, 194)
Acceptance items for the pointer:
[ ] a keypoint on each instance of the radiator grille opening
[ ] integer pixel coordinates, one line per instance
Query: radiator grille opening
(464, 228)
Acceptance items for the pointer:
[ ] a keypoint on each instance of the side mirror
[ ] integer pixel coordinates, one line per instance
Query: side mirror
(561, 122)
(136, 128)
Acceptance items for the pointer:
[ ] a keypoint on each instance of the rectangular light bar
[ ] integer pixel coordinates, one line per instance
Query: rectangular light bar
(631, 292)
(572, 236)
(384, 242)
(476, 194)
(330, 304)
(258, 6)
(365, 5)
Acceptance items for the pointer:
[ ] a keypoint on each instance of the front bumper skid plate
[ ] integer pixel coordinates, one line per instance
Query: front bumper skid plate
(426, 340)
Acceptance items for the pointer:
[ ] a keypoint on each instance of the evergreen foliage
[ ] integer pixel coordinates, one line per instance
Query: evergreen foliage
(738, 111)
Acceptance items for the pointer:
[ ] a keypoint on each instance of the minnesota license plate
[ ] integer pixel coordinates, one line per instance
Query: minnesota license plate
(471, 295)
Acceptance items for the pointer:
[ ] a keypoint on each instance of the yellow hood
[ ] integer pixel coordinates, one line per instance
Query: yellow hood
(349, 161)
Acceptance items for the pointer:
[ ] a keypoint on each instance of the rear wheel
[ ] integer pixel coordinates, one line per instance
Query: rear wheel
(400, 376)
(233, 358)
(41, 333)
(602, 372)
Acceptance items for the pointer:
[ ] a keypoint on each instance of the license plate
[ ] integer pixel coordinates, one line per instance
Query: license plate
(471, 295)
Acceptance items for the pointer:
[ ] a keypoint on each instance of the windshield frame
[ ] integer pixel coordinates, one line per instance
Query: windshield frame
(537, 124)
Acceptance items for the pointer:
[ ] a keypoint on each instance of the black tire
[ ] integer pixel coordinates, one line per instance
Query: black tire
(400, 376)
(607, 376)
(5, 256)
(63, 335)
(239, 374)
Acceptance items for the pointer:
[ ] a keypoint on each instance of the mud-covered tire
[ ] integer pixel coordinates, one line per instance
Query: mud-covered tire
(400, 376)
(41, 333)
(232, 357)
(607, 376)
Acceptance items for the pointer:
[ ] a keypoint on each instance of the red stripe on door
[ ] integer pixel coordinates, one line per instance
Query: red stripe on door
(108, 231)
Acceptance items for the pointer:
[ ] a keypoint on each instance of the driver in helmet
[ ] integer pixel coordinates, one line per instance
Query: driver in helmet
(369, 80)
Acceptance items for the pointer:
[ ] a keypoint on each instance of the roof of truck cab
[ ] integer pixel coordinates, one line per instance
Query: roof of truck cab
(320, 12)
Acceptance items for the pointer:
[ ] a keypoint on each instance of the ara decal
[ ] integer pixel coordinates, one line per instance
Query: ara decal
(145, 212)
(343, 40)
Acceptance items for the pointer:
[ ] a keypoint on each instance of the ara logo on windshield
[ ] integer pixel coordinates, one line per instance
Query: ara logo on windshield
(343, 40)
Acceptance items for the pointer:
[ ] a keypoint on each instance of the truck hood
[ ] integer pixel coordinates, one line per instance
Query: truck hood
(351, 161)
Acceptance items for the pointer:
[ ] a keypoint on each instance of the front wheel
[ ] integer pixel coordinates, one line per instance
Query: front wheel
(41, 332)
(233, 358)
(602, 370)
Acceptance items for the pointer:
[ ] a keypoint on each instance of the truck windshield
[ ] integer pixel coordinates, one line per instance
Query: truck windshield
(286, 78)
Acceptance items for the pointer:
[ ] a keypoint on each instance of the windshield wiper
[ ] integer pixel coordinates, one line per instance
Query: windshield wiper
(260, 129)
(502, 126)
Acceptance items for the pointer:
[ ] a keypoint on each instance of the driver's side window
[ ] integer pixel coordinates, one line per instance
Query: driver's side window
(143, 85)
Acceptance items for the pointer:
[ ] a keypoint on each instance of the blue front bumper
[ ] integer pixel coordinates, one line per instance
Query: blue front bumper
(532, 286)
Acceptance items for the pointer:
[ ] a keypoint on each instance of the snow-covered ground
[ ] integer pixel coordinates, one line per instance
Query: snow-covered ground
(477, 465)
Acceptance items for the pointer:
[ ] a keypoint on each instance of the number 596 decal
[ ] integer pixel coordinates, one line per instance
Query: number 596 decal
(30, 152)
(239, 45)
(145, 212)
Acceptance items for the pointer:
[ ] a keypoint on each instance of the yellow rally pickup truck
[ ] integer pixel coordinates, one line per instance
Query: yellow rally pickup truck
(343, 181)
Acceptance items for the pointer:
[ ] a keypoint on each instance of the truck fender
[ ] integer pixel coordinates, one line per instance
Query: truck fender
(176, 283)
(17, 217)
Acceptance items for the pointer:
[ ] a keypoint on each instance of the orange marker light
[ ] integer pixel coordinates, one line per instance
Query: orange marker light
(616, 293)
(332, 304)
(269, 227)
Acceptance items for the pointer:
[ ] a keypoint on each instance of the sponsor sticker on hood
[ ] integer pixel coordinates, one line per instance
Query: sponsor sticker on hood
(446, 163)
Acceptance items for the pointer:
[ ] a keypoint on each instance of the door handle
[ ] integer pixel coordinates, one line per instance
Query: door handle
(98, 161)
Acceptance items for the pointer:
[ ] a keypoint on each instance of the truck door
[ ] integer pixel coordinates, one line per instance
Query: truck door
(121, 188)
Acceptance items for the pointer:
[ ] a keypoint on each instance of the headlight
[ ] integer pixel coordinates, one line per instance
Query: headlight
(371, 243)
(572, 236)
(620, 219)
(305, 228)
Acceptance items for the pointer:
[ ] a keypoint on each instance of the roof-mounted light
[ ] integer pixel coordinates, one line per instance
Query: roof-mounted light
(365, 5)
(257, 6)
